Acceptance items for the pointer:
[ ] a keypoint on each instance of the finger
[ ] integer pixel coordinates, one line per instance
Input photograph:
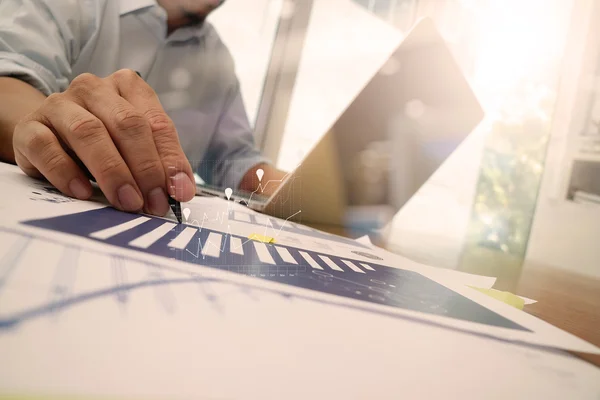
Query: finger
(38, 151)
(180, 178)
(87, 136)
(132, 136)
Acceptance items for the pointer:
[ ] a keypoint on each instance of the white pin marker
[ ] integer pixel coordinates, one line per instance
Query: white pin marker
(186, 213)
(260, 173)
(228, 193)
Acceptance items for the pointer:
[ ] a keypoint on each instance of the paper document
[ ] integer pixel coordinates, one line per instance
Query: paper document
(114, 298)
(440, 274)
(448, 275)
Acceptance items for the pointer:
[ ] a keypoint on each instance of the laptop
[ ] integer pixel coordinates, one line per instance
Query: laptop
(394, 135)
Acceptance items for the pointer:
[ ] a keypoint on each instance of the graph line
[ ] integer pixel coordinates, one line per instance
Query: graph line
(222, 247)
(11, 259)
(12, 322)
(418, 292)
(65, 275)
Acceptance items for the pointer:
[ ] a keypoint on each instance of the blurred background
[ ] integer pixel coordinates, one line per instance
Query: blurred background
(525, 184)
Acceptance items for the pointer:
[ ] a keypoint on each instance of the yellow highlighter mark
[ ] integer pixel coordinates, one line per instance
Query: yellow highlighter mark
(505, 297)
(261, 238)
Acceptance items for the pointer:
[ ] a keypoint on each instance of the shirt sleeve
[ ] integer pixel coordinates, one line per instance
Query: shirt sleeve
(41, 39)
(231, 152)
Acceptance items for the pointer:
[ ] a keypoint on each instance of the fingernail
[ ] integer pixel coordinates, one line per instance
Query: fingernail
(129, 198)
(80, 189)
(158, 203)
(183, 189)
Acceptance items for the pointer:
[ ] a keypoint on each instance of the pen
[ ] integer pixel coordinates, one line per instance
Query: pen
(176, 207)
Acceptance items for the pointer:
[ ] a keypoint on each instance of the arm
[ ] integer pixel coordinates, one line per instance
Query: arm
(232, 158)
(115, 127)
(36, 51)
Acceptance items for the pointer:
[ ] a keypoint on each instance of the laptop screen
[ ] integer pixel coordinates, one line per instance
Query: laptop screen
(405, 123)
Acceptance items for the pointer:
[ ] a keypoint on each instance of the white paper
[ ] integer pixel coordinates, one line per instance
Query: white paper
(439, 274)
(158, 328)
(212, 213)
(216, 339)
(443, 274)
(44, 271)
(528, 300)
(219, 338)
(366, 240)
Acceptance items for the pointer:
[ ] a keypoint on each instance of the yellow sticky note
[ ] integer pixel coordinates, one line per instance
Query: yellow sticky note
(505, 297)
(261, 238)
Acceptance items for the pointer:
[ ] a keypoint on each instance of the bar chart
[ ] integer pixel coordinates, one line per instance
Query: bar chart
(294, 266)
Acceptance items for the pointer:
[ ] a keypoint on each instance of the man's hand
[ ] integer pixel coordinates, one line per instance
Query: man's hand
(117, 129)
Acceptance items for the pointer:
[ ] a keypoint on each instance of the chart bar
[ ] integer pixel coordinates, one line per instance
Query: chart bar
(146, 240)
(330, 263)
(275, 224)
(212, 246)
(182, 240)
(262, 220)
(241, 216)
(285, 255)
(263, 253)
(310, 260)
(353, 266)
(115, 230)
(367, 266)
(236, 246)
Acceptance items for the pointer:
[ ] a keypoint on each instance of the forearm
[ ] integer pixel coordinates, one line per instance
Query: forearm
(268, 184)
(17, 99)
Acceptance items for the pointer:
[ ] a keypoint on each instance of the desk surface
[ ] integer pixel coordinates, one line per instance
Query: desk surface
(566, 300)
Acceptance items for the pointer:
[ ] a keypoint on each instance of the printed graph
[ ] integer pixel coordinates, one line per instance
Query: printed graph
(288, 226)
(33, 290)
(345, 277)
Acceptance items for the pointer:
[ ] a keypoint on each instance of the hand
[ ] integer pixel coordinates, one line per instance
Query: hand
(117, 129)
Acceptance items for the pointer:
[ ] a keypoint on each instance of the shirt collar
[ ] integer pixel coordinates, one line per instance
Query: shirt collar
(128, 6)
(180, 35)
(188, 33)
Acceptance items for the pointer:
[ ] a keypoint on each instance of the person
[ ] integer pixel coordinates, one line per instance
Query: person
(138, 94)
